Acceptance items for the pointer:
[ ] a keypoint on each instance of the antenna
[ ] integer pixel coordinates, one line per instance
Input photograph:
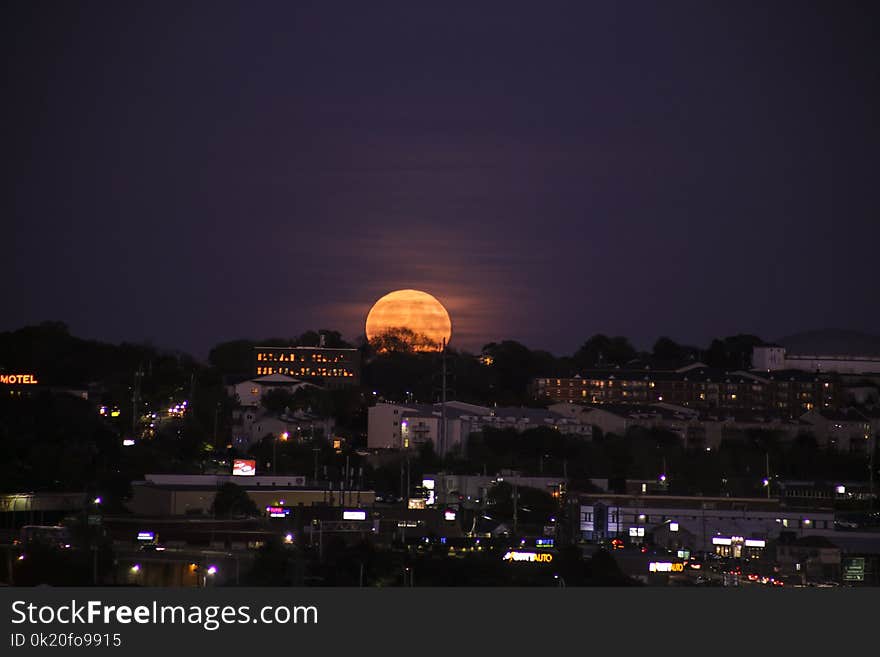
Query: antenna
(135, 399)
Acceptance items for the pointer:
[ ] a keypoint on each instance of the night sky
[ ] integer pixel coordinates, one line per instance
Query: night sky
(189, 173)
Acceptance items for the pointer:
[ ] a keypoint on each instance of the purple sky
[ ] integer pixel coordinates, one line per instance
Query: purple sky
(190, 173)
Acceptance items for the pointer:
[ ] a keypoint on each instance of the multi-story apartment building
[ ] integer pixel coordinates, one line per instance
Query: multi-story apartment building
(401, 426)
(332, 367)
(696, 429)
(773, 357)
(787, 393)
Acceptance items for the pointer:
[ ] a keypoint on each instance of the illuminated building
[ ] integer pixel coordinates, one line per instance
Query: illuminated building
(334, 367)
(250, 391)
(788, 393)
(719, 525)
(21, 384)
(251, 422)
(472, 491)
(402, 426)
(180, 495)
(850, 430)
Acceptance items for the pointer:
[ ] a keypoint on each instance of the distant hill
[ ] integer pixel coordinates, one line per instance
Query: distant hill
(832, 341)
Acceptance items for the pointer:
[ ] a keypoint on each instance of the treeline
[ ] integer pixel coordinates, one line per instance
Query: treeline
(499, 375)
(61, 359)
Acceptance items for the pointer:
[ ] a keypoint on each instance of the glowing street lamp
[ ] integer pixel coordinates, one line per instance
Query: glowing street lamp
(283, 436)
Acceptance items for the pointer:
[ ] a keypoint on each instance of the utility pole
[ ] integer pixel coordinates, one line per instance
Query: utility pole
(515, 504)
(767, 472)
(316, 450)
(216, 415)
(872, 446)
(347, 482)
(442, 441)
(408, 485)
(135, 400)
(402, 489)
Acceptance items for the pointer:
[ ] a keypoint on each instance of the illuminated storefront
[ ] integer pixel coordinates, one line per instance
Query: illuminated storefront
(738, 547)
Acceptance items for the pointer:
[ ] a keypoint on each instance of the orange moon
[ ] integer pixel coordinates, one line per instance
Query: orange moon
(417, 311)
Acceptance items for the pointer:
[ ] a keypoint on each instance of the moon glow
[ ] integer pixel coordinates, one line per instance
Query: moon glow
(412, 310)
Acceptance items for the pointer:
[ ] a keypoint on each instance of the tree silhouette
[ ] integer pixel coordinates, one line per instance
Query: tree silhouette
(402, 340)
(232, 500)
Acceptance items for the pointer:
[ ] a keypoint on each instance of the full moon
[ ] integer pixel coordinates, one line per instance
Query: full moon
(411, 310)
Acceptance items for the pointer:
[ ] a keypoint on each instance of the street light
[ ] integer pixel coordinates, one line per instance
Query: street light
(210, 571)
(282, 436)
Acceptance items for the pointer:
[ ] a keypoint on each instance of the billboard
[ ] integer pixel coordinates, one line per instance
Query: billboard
(354, 515)
(244, 467)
